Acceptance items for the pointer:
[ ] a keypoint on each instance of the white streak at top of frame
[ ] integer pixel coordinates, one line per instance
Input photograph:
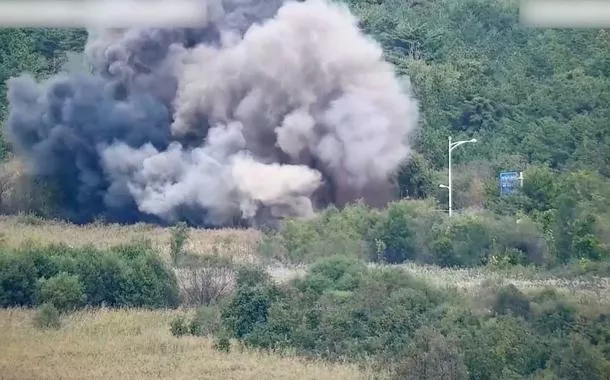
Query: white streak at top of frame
(102, 14)
(565, 13)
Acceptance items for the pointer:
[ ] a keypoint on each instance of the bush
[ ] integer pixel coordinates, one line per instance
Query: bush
(343, 310)
(333, 232)
(579, 360)
(509, 300)
(65, 292)
(103, 276)
(179, 326)
(430, 355)
(18, 280)
(148, 282)
(396, 233)
(206, 321)
(251, 276)
(179, 238)
(222, 343)
(207, 281)
(132, 275)
(247, 310)
(335, 273)
(355, 311)
(470, 242)
(47, 316)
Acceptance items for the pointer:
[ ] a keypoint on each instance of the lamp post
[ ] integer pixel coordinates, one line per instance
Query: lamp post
(452, 146)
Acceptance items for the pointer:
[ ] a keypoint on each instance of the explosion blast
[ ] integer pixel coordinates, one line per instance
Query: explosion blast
(270, 109)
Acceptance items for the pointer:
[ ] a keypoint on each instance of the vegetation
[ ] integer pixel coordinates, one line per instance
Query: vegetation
(342, 310)
(126, 276)
(537, 100)
(15, 231)
(47, 317)
(416, 231)
(136, 344)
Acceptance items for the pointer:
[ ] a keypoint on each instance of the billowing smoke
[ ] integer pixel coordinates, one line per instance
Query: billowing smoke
(270, 109)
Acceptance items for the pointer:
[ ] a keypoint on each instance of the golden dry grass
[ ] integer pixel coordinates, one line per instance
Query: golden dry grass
(15, 230)
(136, 344)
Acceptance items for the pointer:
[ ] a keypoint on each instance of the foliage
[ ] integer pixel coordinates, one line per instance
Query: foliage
(65, 292)
(179, 238)
(47, 317)
(129, 275)
(417, 231)
(179, 326)
(206, 321)
(342, 310)
(334, 232)
(222, 343)
(536, 99)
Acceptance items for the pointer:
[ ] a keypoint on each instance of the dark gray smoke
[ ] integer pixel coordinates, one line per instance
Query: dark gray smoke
(268, 110)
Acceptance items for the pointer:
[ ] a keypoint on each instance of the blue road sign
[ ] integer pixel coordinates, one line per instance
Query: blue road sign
(509, 182)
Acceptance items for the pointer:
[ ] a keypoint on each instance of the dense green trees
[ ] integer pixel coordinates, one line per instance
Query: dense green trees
(342, 310)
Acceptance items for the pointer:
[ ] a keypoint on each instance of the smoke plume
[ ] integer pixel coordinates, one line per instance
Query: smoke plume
(269, 109)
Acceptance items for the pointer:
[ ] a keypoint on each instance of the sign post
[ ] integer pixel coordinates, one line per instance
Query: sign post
(510, 182)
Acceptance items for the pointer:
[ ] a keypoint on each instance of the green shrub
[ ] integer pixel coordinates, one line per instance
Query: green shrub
(179, 238)
(333, 232)
(103, 276)
(179, 327)
(396, 231)
(471, 240)
(510, 300)
(335, 273)
(47, 317)
(222, 343)
(206, 321)
(353, 305)
(251, 276)
(128, 275)
(553, 316)
(579, 360)
(343, 310)
(430, 356)
(65, 292)
(18, 280)
(247, 309)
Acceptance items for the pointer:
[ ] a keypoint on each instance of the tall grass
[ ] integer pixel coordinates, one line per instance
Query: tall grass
(136, 344)
(236, 243)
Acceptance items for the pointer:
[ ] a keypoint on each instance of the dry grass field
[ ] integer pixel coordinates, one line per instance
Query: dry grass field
(136, 344)
(14, 231)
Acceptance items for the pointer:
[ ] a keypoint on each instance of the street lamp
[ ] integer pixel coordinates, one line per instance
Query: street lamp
(452, 146)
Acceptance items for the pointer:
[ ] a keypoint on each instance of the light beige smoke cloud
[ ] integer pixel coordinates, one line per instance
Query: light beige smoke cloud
(303, 98)
(311, 80)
